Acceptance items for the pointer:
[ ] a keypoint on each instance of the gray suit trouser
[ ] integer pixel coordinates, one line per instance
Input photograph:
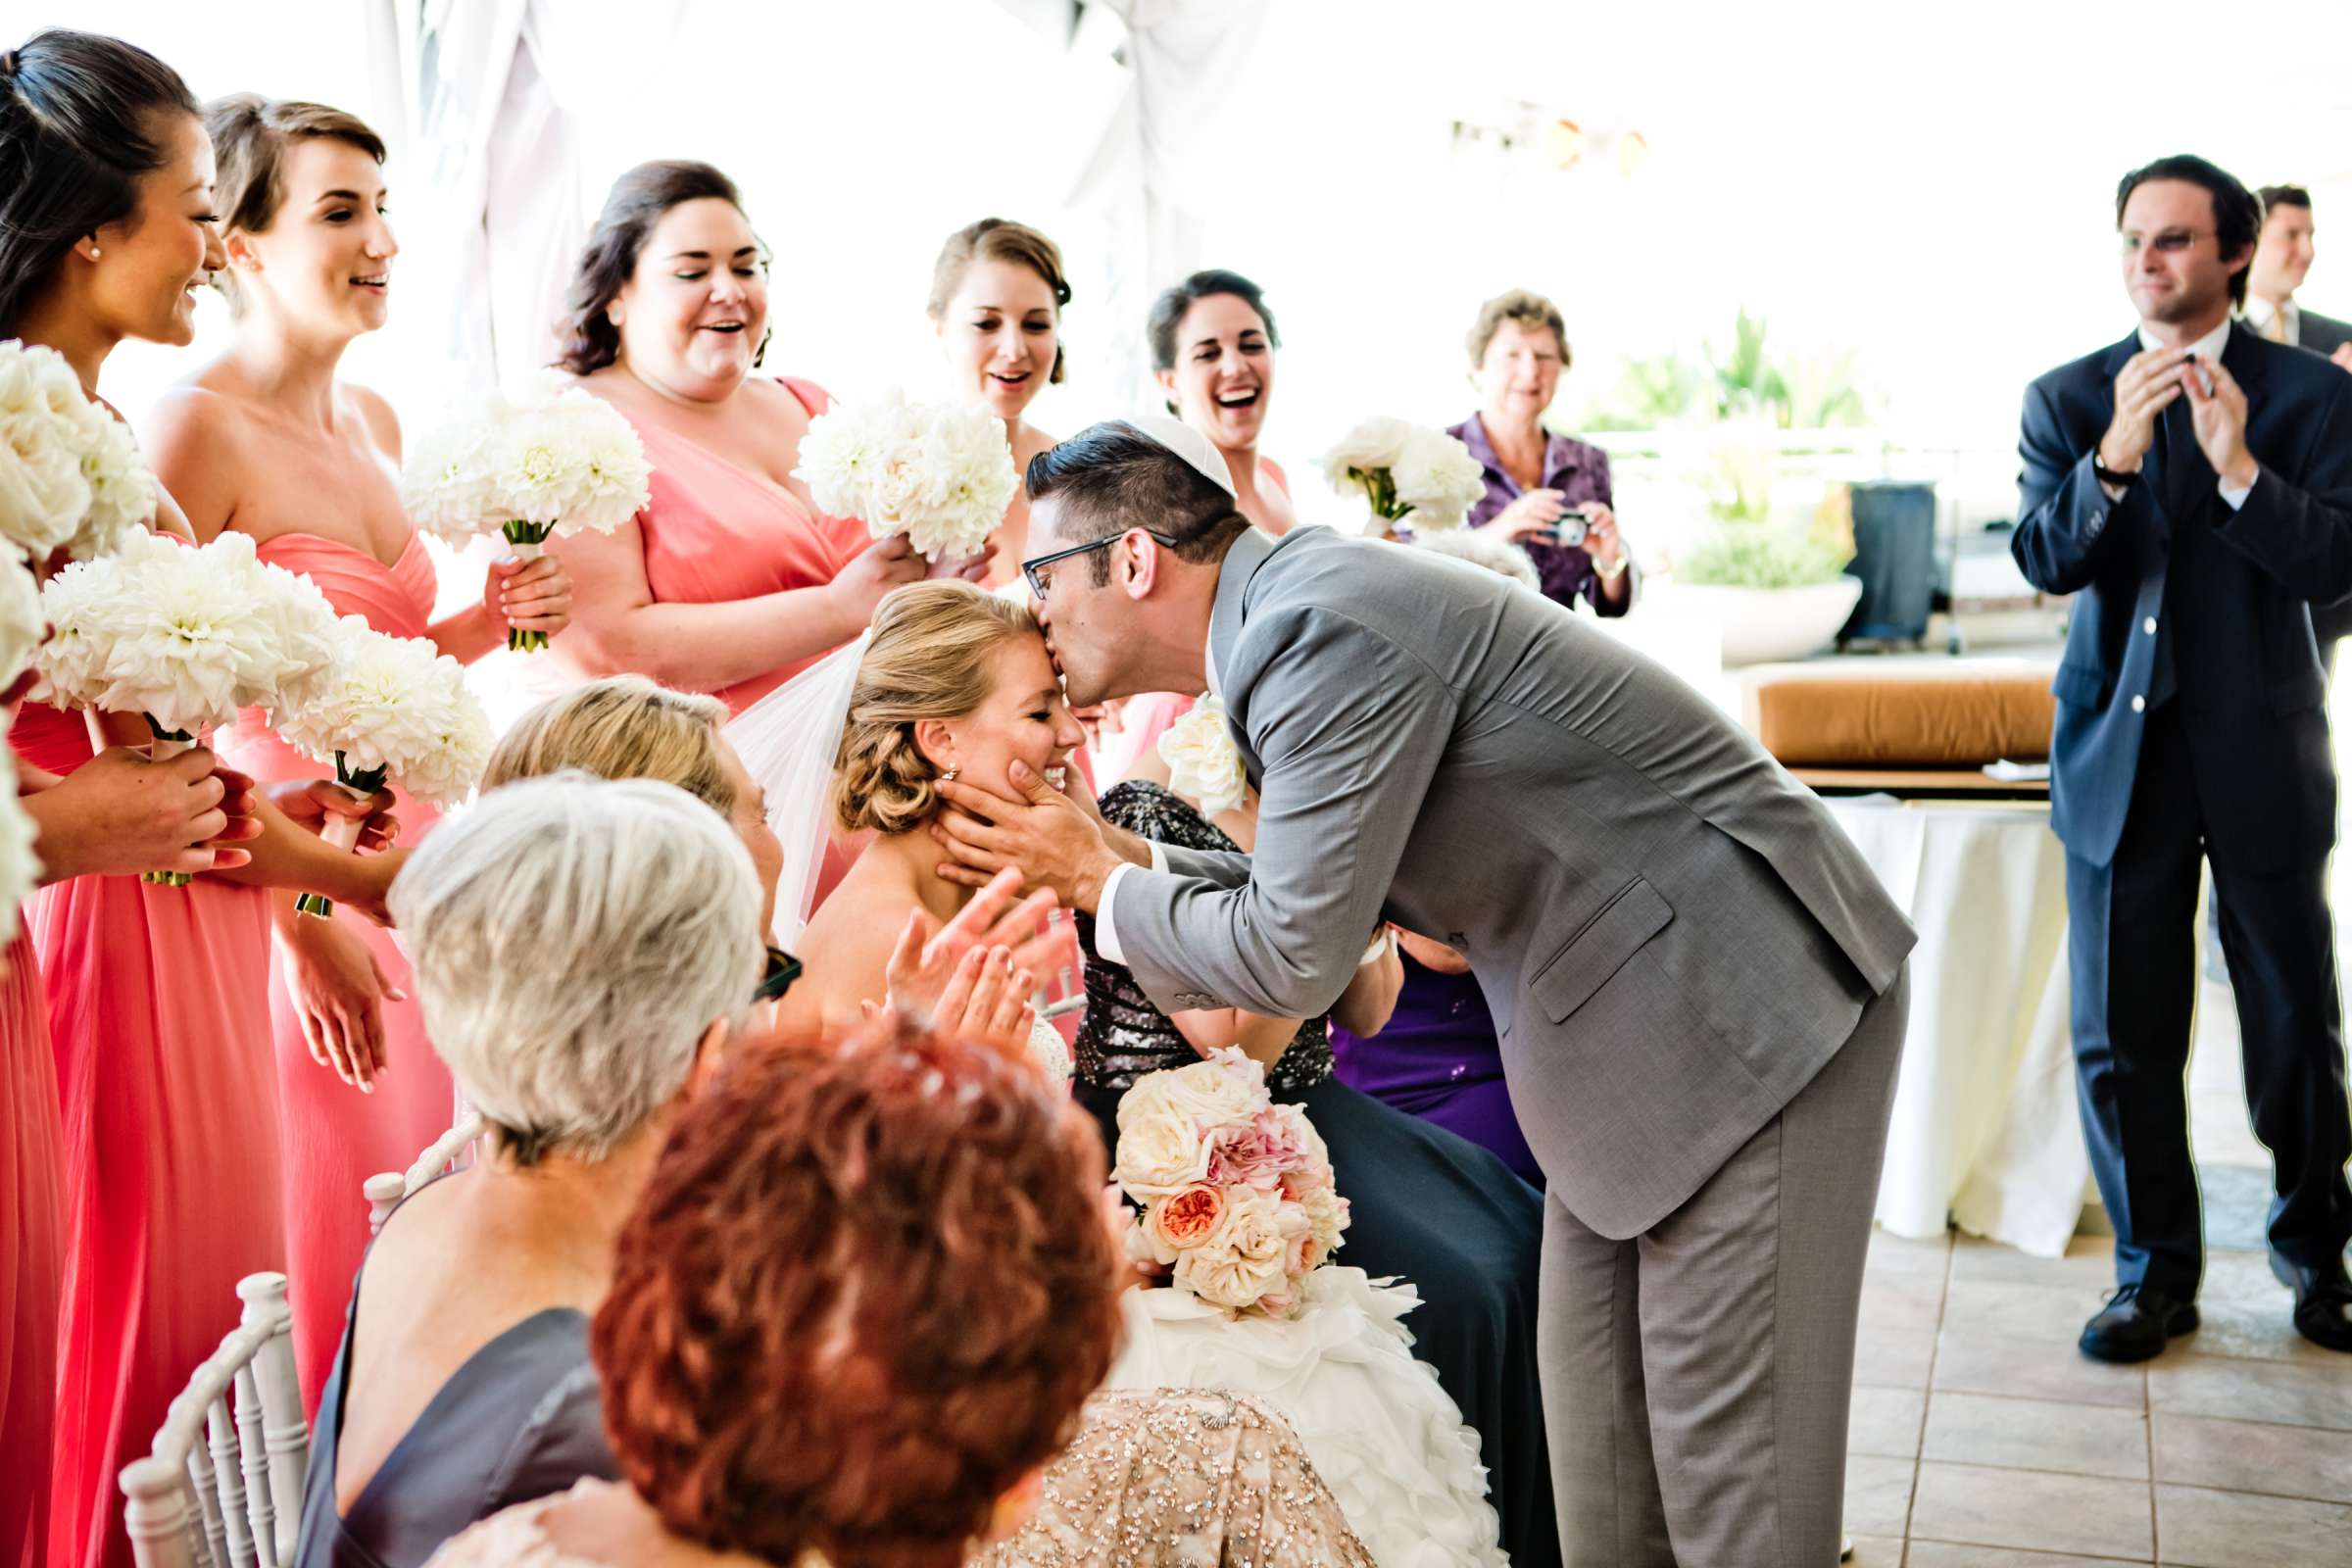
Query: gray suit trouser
(1696, 1377)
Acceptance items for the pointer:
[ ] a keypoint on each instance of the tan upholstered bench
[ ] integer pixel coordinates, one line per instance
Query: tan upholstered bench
(1906, 728)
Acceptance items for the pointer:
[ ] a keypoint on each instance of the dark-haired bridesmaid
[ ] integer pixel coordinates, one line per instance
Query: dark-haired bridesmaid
(157, 995)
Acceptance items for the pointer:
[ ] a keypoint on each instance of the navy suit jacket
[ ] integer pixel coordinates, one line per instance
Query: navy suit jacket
(2230, 594)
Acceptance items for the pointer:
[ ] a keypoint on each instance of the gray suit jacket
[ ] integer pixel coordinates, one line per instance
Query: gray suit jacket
(2321, 334)
(1672, 934)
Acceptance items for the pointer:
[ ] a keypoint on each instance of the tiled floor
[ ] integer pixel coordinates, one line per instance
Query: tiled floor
(1982, 1439)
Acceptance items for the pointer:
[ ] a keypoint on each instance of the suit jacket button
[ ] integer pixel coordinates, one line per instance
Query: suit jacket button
(2140, 704)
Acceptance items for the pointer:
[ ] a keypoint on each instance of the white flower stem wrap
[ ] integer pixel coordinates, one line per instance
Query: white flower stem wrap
(1238, 1201)
(389, 710)
(70, 476)
(940, 473)
(1406, 471)
(184, 636)
(550, 461)
(1203, 762)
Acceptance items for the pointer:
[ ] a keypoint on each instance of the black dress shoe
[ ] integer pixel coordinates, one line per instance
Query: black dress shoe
(2323, 1301)
(2134, 1324)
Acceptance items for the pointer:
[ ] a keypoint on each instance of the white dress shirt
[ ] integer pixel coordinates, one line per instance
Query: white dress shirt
(2259, 312)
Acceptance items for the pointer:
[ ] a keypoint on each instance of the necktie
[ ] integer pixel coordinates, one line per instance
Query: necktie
(2275, 327)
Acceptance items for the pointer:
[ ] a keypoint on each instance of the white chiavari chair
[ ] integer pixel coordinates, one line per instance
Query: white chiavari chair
(221, 1487)
(452, 1150)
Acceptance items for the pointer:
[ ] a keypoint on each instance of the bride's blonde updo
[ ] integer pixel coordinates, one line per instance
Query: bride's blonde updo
(932, 655)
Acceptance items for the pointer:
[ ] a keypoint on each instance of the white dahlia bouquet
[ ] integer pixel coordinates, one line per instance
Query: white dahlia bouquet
(938, 472)
(389, 710)
(70, 476)
(1238, 1204)
(551, 462)
(1406, 473)
(1203, 762)
(22, 622)
(182, 635)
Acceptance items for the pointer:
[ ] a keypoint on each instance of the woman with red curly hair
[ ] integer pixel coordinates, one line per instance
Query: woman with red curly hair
(859, 1309)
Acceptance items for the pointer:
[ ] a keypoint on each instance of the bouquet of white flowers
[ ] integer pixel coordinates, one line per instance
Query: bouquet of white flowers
(938, 472)
(1406, 473)
(552, 462)
(21, 620)
(1203, 761)
(389, 709)
(1237, 1192)
(70, 476)
(184, 636)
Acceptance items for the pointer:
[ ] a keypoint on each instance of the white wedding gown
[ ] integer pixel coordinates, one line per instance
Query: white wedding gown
(1384, 1436)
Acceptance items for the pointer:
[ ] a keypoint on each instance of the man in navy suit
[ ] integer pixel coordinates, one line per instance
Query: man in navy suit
(2192, 486)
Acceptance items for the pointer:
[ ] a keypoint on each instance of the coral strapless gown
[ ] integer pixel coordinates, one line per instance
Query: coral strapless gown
(333, 1136)
(715, 532)
(32, 1220)
(158, 1014)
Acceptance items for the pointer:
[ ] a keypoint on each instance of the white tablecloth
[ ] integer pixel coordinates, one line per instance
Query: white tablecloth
(1984, 1127)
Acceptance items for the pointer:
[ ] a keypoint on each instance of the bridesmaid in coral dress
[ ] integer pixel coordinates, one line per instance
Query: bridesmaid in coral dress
(1212, 343)
(155, 996)
(266, 441)
(730, 581)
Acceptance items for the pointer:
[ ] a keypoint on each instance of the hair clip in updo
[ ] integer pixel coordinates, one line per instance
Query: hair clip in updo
(8, 65)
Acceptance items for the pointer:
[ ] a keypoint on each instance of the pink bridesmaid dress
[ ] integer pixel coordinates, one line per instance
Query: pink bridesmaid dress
(334, 1138)
(158, 1016)
(32, 1221)
(715, 532)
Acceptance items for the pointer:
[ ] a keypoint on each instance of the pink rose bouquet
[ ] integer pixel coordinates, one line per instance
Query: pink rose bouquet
(1237, 1203)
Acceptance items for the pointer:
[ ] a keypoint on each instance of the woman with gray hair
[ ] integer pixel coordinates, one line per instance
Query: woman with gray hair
(582, 948)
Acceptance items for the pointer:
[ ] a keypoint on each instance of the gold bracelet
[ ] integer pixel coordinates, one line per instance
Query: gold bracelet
(1612, 573)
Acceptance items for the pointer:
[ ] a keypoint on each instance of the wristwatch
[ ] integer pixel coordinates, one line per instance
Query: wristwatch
(2108, 476)
(1612, 571)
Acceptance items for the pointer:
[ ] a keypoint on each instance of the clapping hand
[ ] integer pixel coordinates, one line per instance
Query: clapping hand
(927, 964)
(2144, 388)
(2217, 411)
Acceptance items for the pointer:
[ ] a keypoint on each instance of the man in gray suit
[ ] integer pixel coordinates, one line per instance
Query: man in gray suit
(1698, 983)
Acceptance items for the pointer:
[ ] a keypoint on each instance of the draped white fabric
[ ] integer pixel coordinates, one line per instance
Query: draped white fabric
(1984, 1127)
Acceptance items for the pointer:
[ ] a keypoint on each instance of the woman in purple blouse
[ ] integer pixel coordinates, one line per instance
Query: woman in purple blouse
(1518, 349)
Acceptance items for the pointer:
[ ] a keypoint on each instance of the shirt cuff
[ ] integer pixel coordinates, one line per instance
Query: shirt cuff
(1106, 931)
(2236, 494)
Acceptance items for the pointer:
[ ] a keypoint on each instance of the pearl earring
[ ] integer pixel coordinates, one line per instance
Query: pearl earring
(96, 253)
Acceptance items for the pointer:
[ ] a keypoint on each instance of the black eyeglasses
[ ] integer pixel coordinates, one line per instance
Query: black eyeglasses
(1037, 569)
(782, 971)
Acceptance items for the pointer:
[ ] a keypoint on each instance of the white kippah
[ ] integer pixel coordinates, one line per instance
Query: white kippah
(1187, 443)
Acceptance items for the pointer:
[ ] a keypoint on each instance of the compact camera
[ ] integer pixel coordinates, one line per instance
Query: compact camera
(1571, 527)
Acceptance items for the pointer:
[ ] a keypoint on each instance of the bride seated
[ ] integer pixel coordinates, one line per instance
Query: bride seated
(952, 682)
(955, 684)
